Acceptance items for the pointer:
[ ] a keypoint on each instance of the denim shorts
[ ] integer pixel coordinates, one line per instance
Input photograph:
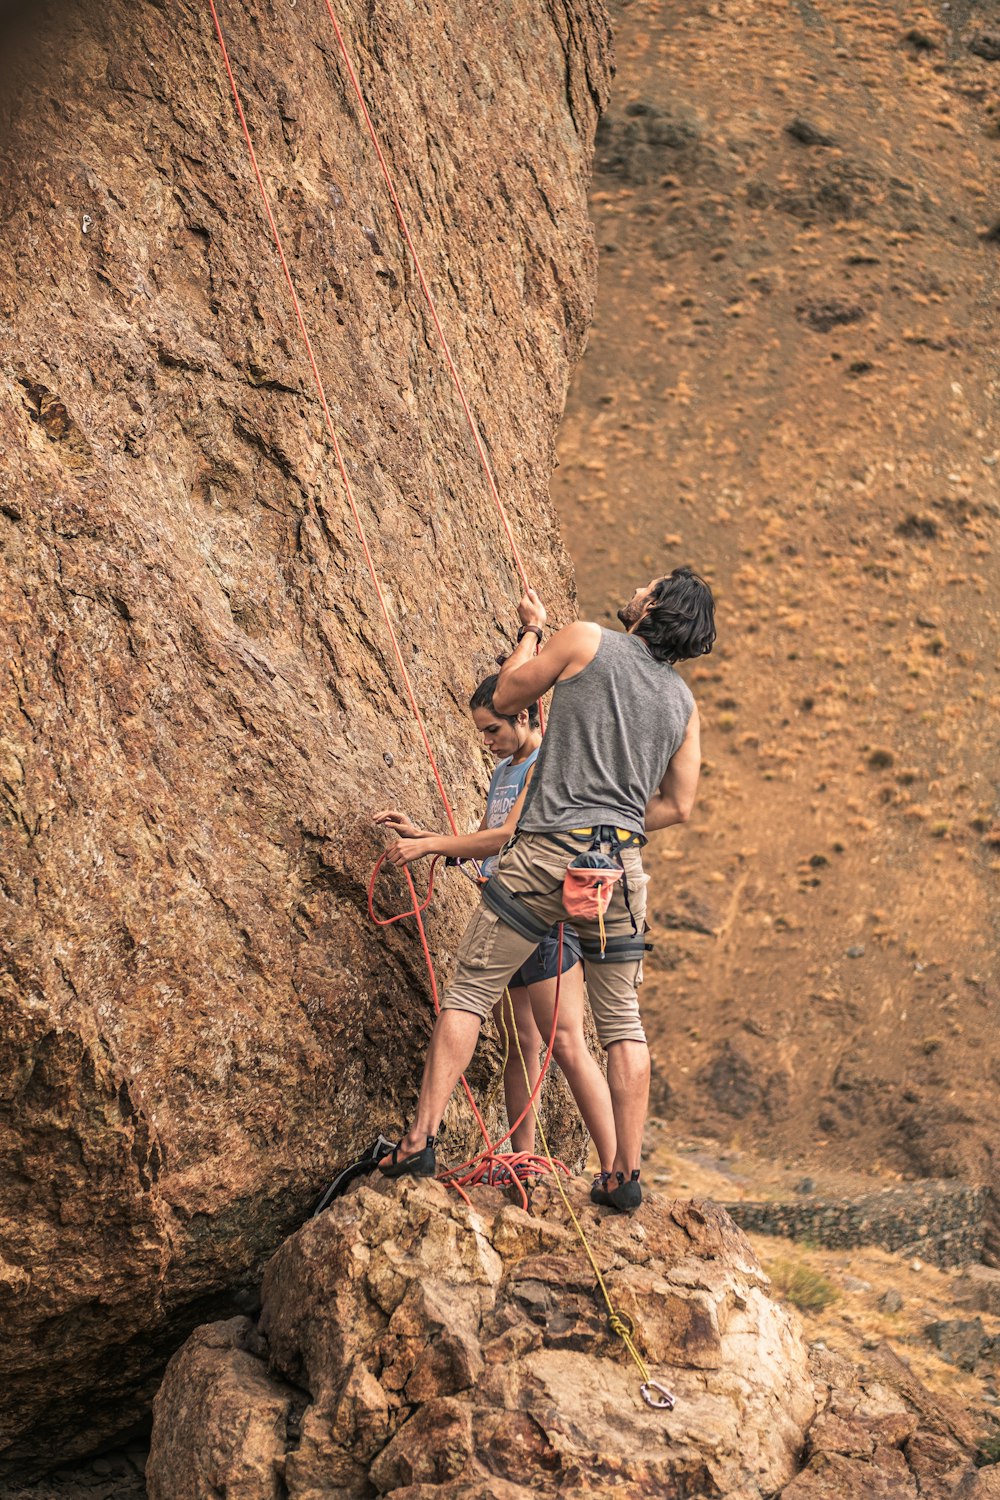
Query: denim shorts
(544, 962)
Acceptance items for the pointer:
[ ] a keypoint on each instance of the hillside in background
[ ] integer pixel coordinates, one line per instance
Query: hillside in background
(792, 384)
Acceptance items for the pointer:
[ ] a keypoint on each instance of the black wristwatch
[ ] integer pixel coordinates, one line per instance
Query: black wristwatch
(534, 629)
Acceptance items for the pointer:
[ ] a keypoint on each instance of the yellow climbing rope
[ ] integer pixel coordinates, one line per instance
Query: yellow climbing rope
(497, 1084)
(653, 1393)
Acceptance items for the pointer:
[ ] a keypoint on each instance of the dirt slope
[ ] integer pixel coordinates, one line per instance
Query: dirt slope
(792, 382)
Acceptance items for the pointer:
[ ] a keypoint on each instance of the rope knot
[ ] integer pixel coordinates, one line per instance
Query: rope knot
(622, 1325)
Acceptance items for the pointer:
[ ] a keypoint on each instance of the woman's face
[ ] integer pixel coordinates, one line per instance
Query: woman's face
(499, 736)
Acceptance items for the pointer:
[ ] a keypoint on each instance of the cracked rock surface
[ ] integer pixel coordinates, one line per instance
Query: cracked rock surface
(409, 1345)
(881, 1433)
(200, 707)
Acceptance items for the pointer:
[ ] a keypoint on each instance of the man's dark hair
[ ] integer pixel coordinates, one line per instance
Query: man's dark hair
(680, 623)
(483, 698)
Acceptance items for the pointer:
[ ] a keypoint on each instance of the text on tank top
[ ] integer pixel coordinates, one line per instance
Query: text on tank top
(506, 786)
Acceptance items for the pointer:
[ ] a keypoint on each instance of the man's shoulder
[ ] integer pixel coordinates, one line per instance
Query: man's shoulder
(581, 627)
(578, 644)
(581, 634)
(684, 691)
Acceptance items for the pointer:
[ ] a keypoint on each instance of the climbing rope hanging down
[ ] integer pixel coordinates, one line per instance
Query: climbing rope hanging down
(488, 1165)
(485, 1164)
(456, 378)
(483, 1168)
(653, 1393)
(428, 296)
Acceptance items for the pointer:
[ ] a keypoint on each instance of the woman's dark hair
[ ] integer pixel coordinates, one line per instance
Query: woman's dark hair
(483, 698)
(680, 623)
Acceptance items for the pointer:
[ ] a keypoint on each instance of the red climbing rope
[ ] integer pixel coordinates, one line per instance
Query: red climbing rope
(359, 524)
(489, 1165)
(425, 287)
(456, 378)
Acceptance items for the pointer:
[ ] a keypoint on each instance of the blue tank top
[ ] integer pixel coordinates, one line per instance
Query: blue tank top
(506, 786)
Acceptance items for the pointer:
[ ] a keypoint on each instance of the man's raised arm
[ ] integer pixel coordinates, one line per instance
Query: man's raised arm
(525, 676)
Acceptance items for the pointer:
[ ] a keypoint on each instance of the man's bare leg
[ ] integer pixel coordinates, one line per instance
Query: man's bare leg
(453, 1042)
(628, 1080)
(586, 1082)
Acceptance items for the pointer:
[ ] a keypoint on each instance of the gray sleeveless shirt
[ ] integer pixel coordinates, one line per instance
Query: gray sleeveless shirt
(612, 731)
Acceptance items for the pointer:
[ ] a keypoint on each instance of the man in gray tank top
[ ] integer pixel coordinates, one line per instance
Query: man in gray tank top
(620, 759)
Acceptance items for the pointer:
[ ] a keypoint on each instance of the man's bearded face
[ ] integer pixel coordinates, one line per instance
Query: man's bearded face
(632, 612)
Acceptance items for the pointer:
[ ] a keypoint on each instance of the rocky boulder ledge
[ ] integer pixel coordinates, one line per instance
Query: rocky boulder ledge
(410, 1346)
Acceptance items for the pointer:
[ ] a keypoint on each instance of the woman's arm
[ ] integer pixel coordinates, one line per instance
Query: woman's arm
(406, 828)
(479, 845)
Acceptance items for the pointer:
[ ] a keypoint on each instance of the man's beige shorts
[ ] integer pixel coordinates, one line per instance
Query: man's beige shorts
(490, 951)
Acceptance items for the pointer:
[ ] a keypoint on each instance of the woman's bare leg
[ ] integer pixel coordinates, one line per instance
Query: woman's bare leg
(515, 1090)
(587, 1083)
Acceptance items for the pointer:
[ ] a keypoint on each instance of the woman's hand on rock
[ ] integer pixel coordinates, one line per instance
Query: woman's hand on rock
(398, 822)
(409, 849)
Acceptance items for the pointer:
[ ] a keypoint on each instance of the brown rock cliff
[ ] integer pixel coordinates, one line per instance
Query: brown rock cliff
(200, 708)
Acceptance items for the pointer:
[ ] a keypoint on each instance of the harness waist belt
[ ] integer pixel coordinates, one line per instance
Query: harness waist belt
(625, 838)
(617, 950)
(513, 911)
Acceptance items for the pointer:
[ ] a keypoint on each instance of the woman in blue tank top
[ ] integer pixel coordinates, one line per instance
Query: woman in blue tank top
(515, 741)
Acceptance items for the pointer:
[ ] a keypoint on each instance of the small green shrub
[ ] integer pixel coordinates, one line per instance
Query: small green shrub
(804, 1288)
(988, 1451)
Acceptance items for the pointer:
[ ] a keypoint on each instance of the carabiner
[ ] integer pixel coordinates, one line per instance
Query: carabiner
(665, 1401)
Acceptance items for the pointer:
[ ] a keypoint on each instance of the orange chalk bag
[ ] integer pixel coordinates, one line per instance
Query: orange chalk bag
(588, 886)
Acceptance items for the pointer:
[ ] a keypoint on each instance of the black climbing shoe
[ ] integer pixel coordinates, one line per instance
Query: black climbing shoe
(599, 1191)
(365, 1163)
(419, 1164)
(627, 1196)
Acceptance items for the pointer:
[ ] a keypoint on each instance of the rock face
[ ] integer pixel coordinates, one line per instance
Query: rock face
(200, 707)
(413, 1345)
(882, 1435)
(979, 1287)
